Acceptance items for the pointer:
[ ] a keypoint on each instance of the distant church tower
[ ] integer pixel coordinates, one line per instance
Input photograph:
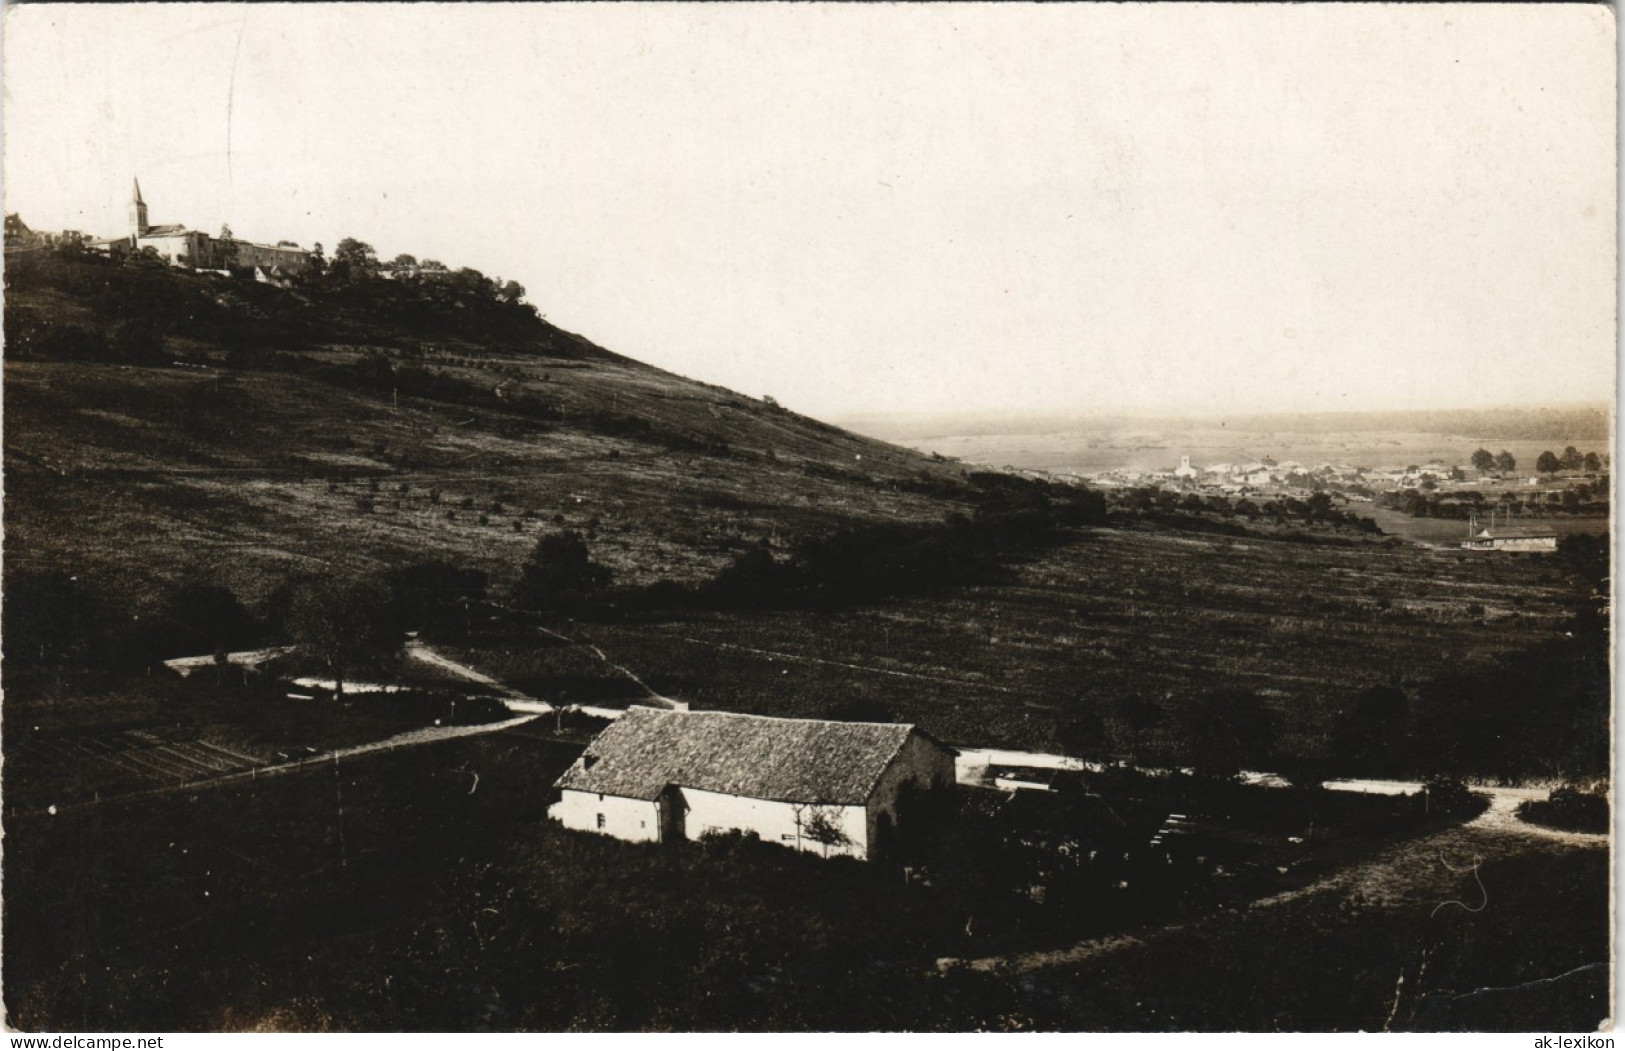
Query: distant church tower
(138, 211)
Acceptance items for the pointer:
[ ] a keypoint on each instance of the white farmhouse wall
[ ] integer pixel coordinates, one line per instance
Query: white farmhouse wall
(1527, 543)
(1511, 543)
(773, 821)
(635, 820)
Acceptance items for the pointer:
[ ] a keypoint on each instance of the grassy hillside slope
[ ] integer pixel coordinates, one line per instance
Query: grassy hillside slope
(276, 430)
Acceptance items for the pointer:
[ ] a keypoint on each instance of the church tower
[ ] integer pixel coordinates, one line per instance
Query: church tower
(138, 212)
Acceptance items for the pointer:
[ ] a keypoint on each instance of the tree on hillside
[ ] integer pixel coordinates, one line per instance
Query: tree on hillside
(1372, 736)
(1571, 459)
(471, 282)
(751, 579)
(1106, 730)
(343, 624)
(1086, 735)
(206, 618)
(355, 253)
(1505, 462)
(51, 618)
(1547, 463)
(404, 261)
(353, 260)
(1224, 732)
(435, 597)
(1483, 460)
(1592, 463)
(560, 574)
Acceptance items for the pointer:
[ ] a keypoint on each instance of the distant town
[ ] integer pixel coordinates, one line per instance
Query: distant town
(1554, 474)
(1503, 507)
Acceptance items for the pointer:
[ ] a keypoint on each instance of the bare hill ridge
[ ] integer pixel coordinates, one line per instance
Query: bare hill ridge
(165, 427)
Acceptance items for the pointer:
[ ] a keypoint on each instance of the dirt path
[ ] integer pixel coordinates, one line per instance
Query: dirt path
(417, 650)
(670, 702)
(184, 666)
(1429, 868)
(1502, 817)
(781, 655)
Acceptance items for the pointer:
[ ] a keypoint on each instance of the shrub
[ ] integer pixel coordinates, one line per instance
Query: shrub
(1449, 797)
(1569, 808)
(560, 574)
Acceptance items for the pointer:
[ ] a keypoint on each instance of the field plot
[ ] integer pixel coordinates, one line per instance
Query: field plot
(1450, 532)
(1114, 613)
(66, 745)
(51, 769)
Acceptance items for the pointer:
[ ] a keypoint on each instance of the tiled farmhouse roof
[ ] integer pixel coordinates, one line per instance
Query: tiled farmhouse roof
(167, 230)
(789, 760)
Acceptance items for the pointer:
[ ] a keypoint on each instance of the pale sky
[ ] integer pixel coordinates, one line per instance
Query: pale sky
(876, 208)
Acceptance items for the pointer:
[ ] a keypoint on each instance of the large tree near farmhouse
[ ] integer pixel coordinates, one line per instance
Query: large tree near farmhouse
(343, 624)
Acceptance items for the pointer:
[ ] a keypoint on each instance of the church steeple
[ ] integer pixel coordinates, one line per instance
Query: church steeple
(138, 212)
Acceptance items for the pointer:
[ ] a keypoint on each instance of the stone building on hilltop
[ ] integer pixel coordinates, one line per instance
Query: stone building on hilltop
(196, 249)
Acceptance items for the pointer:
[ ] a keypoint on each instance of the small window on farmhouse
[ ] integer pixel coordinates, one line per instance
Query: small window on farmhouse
(600, 821)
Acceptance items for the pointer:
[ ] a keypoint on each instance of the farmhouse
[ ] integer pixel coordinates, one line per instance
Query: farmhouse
(1492, 539)
(1484, 540)
(828, 787)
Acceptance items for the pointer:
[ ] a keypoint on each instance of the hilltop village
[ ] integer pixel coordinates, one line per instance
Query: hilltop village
(283, 264)
(175, 244)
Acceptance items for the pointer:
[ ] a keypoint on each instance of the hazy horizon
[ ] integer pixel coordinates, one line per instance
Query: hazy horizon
(1042, 421)
(879, 209)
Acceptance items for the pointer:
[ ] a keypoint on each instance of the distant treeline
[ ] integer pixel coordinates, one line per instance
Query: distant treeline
(868, 562)
(1583, 499)
(1221, 515)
